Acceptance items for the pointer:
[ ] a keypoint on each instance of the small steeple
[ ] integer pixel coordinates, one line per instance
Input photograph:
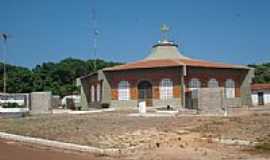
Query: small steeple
(164, 29)
(165, 49)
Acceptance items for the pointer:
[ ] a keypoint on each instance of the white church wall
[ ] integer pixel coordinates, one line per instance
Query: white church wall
(266, 97)
(255, 98)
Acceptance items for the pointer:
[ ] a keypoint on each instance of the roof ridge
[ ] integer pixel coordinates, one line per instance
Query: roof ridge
(218, 63)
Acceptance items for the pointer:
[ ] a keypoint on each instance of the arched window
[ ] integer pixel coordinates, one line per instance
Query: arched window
(166, 89)
(212, 83)
(123, 90)
(194, 85)
(98, 92)
(230, 88)
(92, 93)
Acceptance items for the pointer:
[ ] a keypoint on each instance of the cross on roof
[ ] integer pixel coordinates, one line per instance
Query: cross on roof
(164, 29)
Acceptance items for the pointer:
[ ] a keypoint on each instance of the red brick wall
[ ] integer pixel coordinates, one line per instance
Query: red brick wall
(155, 88)
(176, 91)
(133, 93)
(114, 94)
(156, 94)
(220, 76)
(176, 87)
(156, 75)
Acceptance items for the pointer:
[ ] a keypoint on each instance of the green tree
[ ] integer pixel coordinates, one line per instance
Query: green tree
(262, 73)
(19, 79)
(59, 78)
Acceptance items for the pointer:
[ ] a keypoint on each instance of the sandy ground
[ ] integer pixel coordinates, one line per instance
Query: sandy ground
(176, 137)
(10, 150)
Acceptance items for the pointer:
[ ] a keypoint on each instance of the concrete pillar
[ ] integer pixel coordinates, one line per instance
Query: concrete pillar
(183, 86)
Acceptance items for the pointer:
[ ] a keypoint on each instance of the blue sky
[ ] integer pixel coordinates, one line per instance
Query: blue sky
(231, 31)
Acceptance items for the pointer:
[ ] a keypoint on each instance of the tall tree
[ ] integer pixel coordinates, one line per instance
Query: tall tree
(262, 73)
(59, 78)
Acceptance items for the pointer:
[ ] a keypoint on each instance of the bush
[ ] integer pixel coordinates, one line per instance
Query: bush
(12, 105)
(264, 144)
(105, 105)
(263, 147)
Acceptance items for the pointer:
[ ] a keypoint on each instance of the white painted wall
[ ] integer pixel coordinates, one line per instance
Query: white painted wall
(266, 97)
(13, 110)
(254, 97)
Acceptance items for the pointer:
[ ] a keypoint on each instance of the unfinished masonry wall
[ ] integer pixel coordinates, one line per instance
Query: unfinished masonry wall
(56, 101)
(41, 102)
(210, 100)
(233, 102)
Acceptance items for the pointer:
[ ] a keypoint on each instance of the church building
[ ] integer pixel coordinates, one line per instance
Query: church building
(164, 78)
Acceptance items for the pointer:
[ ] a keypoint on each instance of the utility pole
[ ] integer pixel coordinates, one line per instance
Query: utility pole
(4, 36)
(95, 36)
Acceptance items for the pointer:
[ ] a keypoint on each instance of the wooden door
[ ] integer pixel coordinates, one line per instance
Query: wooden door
(145, 92)
(260, 98)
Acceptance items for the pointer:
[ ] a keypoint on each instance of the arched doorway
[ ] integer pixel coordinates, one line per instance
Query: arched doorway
(145, 92)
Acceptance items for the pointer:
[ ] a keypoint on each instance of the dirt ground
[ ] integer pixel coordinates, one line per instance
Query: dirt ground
(178, 137)
(10, 150)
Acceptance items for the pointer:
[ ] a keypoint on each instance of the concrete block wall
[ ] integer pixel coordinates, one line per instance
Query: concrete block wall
(233, 102)
(174, 103)
(246, 89)
(84, 89)
(56, 101)
(210, 100)
(124, 104)
(41, 102)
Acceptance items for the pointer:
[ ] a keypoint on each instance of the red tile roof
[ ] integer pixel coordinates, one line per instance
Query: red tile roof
(260, 86)
(146, 64)
(208, 64)
(157, 63)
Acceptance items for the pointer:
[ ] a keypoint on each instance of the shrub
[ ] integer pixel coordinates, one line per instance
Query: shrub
(263, 145)
(105, 105)
(12, 105)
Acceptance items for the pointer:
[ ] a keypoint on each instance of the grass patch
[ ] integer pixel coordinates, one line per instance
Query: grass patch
(217, 122)
(263, 145)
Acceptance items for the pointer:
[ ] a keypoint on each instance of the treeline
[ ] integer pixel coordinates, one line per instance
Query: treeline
(262, 73)
(59, 78)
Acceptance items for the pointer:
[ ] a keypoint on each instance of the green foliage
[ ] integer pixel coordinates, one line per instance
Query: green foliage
(12, 105)
(263, 144)
(60, 78)
(263, 147)
(19, 79)
(262, 73)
